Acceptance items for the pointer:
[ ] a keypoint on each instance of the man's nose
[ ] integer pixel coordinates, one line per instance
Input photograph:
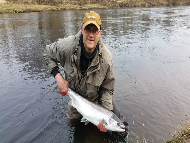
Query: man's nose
(91, 34)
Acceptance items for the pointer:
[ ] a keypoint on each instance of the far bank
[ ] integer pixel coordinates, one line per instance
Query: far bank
(19, 6)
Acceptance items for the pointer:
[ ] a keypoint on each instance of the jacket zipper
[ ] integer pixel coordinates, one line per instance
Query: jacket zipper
(81, 77)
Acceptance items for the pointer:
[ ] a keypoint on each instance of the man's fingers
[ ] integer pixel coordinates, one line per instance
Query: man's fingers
(62, 93)
(101, 127)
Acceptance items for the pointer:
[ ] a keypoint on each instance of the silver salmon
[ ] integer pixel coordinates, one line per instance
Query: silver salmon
(94, 113)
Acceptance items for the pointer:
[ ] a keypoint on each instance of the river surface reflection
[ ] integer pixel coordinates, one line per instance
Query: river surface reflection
(151, 53)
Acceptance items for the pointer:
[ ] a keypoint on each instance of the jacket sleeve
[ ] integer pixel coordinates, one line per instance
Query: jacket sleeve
(107, 88)
(54, 54)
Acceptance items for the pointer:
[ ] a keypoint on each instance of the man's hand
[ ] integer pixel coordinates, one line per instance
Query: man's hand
(62, 84)
(101, 127)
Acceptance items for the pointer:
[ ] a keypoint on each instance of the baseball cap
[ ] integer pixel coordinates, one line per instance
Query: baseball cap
(92, 18)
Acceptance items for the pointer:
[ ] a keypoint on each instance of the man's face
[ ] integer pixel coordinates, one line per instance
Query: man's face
(91, 35)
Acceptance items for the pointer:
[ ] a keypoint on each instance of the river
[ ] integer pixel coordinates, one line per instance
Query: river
(151, 53)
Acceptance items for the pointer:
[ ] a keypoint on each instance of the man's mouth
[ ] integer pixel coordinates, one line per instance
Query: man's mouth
(90, 40)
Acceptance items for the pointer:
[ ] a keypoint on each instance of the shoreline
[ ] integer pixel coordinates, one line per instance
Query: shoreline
(9, 7)
(23, 8)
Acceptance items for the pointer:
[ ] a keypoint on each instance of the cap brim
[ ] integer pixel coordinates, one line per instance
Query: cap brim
(91, 22)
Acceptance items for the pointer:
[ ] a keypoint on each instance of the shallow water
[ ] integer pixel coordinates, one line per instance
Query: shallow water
(151, 53)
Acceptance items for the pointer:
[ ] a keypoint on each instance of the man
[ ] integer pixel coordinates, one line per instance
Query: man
(87, 63)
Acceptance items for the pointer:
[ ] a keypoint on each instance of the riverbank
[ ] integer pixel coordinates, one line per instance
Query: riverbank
(20, 8)
(183, 137)
(183, 134)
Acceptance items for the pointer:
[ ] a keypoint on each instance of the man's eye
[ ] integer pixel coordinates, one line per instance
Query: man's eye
(87, 29)
(94, 31)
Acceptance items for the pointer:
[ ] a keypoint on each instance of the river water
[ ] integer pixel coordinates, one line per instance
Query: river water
(151, 52)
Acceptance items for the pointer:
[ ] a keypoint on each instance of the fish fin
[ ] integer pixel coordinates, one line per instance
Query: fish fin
(86, 123)
(84, 120)
(71, 102)
(104, 122)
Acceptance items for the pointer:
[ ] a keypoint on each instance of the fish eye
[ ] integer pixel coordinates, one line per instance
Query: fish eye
(119, 124)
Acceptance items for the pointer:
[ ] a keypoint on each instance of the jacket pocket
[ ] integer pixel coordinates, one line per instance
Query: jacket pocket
(93, 84)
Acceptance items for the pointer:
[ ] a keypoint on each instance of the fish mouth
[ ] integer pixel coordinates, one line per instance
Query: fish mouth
(123, 127)
(121, 130)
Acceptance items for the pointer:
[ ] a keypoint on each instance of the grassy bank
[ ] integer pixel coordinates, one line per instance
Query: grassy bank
(151, 3)
(19, 8)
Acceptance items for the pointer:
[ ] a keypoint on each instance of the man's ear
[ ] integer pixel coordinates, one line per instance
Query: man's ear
(82, 29)
(100, 32)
